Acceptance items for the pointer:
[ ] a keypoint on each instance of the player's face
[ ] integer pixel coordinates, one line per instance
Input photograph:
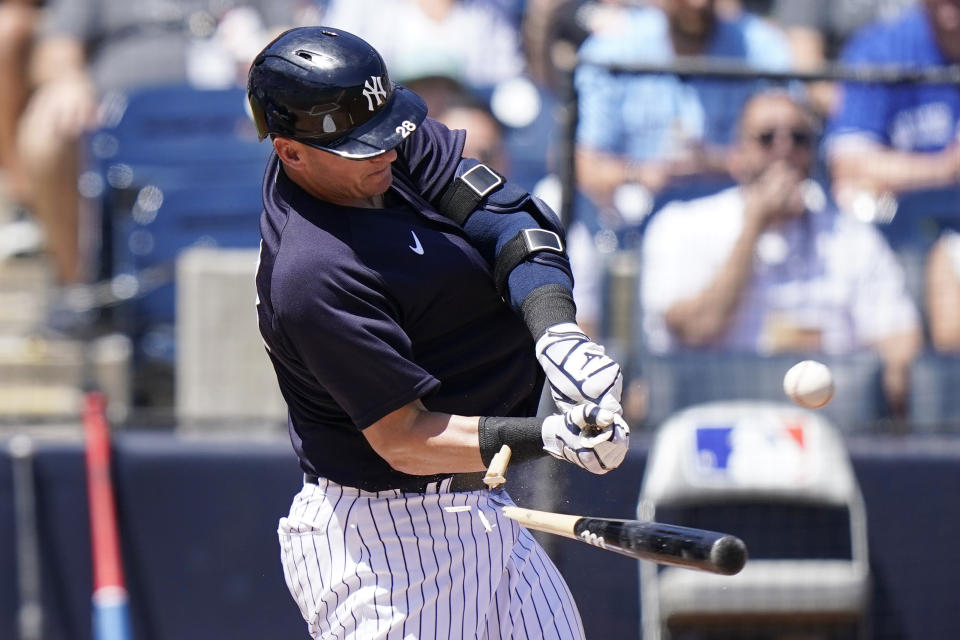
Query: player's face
(774, 128)
(340, 180)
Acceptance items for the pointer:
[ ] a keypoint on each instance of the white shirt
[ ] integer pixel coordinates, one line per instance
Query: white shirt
(474, 42)
(823, 272)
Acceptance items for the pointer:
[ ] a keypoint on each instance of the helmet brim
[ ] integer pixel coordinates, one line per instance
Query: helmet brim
(384, 131)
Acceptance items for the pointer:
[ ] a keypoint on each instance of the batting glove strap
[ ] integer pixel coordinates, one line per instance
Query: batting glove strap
(523, 435)
(592, 438)
(578, 369)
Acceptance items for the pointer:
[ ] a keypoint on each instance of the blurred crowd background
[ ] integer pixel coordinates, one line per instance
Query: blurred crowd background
(745, 183)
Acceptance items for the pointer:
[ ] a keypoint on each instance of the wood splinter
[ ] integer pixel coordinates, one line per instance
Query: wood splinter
(496, 472)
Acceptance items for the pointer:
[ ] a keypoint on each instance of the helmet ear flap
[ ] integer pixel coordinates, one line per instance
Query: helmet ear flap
(271, 118)
(259, 117)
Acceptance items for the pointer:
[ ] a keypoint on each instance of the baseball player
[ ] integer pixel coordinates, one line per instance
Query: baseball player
(411, 301)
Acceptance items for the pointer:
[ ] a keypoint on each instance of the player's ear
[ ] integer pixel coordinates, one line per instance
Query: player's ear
(288, 151)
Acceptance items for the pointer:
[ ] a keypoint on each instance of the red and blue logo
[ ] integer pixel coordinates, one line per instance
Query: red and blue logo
(752, 449)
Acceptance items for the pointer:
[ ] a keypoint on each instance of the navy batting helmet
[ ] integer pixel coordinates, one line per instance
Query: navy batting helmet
(330, 89)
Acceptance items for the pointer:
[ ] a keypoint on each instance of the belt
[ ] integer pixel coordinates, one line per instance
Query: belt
(458, 482)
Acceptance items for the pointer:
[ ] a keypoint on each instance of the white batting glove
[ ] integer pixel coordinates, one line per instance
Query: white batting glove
(578, 370)
(590, 437)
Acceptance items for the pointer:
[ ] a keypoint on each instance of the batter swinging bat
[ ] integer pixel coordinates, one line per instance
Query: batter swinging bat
(662, 543)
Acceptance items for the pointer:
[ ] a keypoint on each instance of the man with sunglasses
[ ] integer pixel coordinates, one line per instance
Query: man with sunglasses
(768, 267)
(639, 134)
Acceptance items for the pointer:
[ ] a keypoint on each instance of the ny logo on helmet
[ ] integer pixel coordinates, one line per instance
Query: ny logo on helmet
(373, 90)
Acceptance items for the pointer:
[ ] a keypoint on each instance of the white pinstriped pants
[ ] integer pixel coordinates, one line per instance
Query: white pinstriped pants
(387, 565)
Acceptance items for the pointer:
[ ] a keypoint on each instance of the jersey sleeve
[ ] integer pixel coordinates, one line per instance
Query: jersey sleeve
(864, 110)
(599, 98)
(431, 158)
(767, 46)
(351, 341)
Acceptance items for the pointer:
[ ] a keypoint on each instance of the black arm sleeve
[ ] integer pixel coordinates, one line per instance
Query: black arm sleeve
(522, 435)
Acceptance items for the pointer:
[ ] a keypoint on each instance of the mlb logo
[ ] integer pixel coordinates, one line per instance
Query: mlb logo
(764, 450)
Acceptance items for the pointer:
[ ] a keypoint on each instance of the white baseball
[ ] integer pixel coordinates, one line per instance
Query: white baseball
(809, 383)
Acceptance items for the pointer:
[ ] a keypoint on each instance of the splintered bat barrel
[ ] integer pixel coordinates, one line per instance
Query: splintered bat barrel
(666, 544)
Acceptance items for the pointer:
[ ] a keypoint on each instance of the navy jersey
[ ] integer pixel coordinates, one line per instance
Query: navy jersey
(366, 310)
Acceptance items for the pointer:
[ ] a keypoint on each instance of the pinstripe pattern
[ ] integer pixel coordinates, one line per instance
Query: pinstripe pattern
(393, 566)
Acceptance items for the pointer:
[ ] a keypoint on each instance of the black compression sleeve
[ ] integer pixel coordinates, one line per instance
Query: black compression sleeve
(522, 435)
(546, 306)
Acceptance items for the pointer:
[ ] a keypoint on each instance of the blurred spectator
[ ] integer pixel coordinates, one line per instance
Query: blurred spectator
(652, 129)
(909, 132)
(638, 134)
(474, 41)
(88, 47)
(544, 29)
(513, 9)
(820, 28)
(942, 297)
(436, 89)
(553, 31)
(767, 267)
(485, 134)
(17, 21)
(817, 30)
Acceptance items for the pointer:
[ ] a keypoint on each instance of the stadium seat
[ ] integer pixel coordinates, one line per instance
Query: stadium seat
(677, 381)
(176, 124)
(171, 167)
(934, 401)
(179, 217)
(779, 477)
(921, 216)
(169, 137)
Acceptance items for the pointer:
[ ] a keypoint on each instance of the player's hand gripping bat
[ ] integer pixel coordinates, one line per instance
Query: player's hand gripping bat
(663, 543)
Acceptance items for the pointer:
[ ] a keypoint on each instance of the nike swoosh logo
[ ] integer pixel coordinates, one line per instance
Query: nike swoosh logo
(416, 247)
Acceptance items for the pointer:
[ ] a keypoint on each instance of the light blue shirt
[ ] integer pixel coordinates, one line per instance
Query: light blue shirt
(646, 116)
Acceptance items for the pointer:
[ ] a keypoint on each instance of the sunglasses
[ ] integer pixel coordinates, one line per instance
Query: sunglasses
(800, 138)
